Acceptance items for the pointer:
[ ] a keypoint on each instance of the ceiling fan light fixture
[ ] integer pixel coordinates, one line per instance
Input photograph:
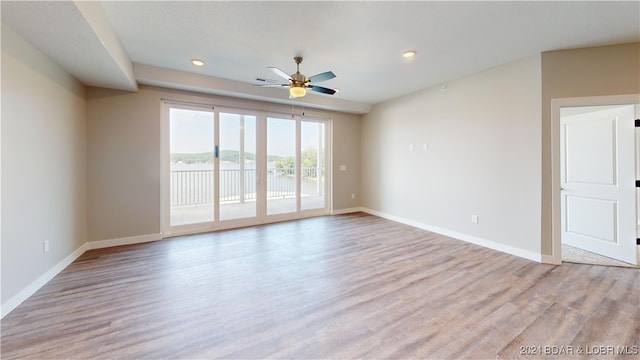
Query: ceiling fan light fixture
(296, 91)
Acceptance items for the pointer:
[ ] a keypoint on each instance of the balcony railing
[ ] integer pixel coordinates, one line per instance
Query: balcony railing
(194, 187)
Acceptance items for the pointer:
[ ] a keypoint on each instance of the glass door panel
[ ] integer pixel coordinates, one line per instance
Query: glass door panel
(281, 166)
(265, 166)
(312, 189)
(237, 182)
(191, 166)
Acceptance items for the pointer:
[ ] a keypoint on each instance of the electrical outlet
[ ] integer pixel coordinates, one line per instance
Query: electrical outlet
(353, 196)
(45, 246)
(474, 219)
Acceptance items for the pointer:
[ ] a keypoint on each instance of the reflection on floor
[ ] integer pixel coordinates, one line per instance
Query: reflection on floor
(575, 255)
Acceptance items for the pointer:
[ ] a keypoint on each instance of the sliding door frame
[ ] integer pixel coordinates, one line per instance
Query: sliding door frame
(248, 221)
(261, 169)
(165, 172)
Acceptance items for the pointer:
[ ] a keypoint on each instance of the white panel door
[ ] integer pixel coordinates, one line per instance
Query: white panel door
(598, 181)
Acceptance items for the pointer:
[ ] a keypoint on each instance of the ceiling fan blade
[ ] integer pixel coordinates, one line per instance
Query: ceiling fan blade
(271, 85)
(322, 77)
(323, 90)
(280, 72)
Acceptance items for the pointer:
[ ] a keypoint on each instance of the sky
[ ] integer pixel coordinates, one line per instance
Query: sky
(192, 131)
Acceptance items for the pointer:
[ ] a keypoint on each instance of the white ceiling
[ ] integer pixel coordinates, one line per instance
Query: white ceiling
(108, 43)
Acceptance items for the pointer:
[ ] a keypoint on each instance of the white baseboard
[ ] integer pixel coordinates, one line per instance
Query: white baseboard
(101, 244)
(346, 211)
(526, 254)
(51, 273)
(41, 281)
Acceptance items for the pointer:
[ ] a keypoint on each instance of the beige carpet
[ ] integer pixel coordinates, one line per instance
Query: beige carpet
(574, 255)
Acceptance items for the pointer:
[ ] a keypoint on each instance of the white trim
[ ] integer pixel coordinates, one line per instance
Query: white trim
(101, 244)
(41, 281)
(328, 166)
(164, 166)
(460, 236)
(346, 211)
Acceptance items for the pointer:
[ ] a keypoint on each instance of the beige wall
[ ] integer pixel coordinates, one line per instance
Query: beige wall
(123, 163)
(346, 151)
(43, 164)
(124, 157)
(483, 158)
(597, 71)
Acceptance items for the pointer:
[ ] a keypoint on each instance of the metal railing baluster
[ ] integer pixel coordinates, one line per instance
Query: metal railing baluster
(195, 187)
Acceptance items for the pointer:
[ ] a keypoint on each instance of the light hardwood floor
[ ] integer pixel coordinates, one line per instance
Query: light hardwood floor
(339, 287)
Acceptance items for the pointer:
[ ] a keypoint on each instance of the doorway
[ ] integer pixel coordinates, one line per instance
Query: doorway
(224, 168)
(595, 199)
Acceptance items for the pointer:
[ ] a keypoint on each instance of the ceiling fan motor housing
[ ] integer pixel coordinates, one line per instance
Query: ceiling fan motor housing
(298, 79)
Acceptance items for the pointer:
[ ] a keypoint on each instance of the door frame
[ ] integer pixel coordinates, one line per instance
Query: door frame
(261, 117)
(299, 118)
(556, 104)
(166, 230)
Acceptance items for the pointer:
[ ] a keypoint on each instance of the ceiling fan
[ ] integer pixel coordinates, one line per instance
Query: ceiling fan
(298, 83)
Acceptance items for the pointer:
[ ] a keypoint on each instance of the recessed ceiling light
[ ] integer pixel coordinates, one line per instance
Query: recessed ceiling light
(197, 62)
(409, 54)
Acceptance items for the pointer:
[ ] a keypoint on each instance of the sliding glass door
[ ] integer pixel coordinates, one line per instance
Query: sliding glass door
(191, 166)
(225, 168)
(312, 165)
(295, 165)
(282, 187)
(237, 159)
